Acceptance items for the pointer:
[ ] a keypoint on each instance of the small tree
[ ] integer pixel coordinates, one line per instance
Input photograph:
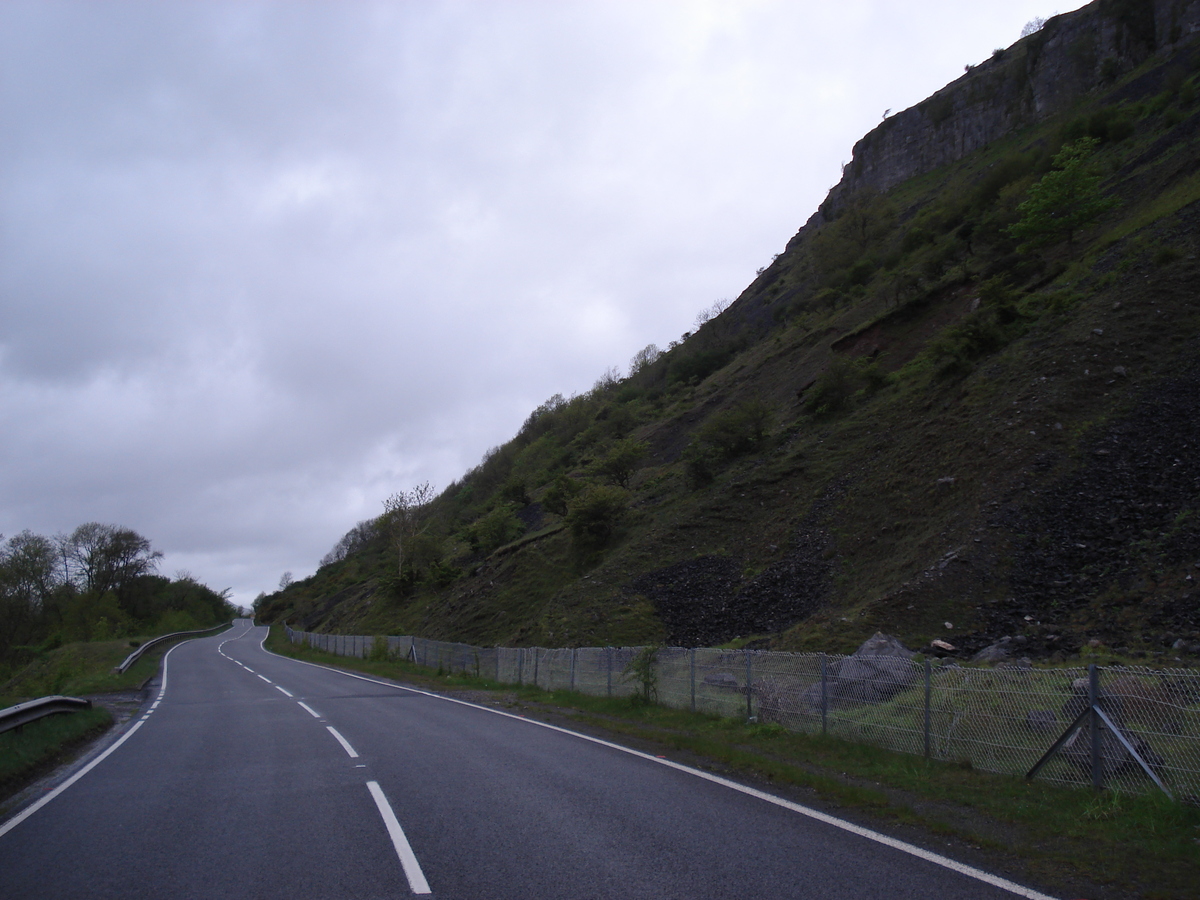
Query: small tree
(285, 581)
(1067, 199)
(622, 461)
(644, 358)
(642, 671)
(404, 519)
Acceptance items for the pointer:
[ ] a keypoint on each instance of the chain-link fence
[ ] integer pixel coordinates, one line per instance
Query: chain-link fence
(1128, 728)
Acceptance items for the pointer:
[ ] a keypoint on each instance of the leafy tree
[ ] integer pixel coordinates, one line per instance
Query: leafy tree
(497, 528)
(1067, 199)
(744, 428)
(622, 461)
(559, 495)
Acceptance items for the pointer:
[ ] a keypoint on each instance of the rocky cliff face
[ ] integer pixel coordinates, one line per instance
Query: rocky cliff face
(1035, 78)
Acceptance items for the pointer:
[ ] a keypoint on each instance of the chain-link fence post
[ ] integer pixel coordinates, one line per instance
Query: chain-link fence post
(1094, 720)
(928, 683)
(824, 698)
(608, 656)
(535, 667)
(572, 669)
(692, 675)
(749, 688)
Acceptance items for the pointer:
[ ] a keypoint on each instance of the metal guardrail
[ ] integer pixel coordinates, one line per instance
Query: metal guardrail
(136, 654)
(31, 710)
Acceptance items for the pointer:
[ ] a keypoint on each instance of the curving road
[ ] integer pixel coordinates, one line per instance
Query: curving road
(257, 776)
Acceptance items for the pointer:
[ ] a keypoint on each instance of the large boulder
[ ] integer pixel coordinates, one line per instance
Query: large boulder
(877, 671)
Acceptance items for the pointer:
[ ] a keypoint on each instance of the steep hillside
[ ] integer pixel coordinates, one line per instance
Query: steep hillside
(934, 414)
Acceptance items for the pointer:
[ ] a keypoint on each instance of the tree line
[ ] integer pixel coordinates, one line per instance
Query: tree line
(97, 583)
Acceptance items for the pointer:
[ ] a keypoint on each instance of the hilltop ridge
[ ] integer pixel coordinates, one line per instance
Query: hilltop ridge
(907, 422)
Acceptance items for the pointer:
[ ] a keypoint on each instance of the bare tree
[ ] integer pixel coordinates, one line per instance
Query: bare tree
(711, 312)
(404, 519)
(1032, 26)
(109, 557)
(285, 581)
(643, 358)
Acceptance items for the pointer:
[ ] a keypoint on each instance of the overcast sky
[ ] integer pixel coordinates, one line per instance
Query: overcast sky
(262, 264)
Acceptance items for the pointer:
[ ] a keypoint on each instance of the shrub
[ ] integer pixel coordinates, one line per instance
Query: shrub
(742, 429)
(380, 651)
(596, 513)
(497, 528)
(831, 392)
(514, 490)
(699, 464)
(641, 670)
(622, 461)
(559, 495)
(699, 365)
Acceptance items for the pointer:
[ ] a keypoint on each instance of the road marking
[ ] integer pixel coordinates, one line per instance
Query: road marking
(264, 678)
(879, 838)
(250, 670)
(345, 743)
(408, 859)
(284, 690)
(308, 709)
(30, 810)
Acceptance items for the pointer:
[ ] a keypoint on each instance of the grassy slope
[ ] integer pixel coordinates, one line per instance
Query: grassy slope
(879, 468)
(1071, 840)
(82, 668)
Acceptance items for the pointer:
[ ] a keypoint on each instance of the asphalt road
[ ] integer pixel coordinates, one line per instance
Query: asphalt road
(262, 777)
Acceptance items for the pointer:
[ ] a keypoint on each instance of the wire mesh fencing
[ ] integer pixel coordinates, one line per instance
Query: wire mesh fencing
(1124, 727)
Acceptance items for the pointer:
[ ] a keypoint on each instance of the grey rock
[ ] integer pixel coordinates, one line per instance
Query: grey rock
(1041, 721)
(877, 671)
(993, 653)
(722, 680)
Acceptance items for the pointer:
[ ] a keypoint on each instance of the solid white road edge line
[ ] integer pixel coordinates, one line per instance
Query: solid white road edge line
(308, 709)
(30, 810)
(341, 740)
(903, 846)
(408, 859)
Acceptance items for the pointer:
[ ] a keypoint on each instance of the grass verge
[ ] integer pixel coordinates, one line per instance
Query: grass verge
(83, 668)
(27, 751)
(1071, 840)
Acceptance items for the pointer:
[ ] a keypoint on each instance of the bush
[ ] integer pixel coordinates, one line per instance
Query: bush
(596, 513)
(832, 391)
(380, 651)
(494, 530)
(740, 430)
(641, 670)
(622, 461)
(698, 366)
(514, 490)
(559, 495)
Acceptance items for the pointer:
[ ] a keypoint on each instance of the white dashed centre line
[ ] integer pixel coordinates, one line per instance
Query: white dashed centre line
(308, 709)
(345, 743)
(408, 859)
(267, 680)
(284, 691)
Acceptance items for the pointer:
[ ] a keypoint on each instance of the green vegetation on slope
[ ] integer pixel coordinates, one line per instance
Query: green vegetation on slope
(878, 434)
